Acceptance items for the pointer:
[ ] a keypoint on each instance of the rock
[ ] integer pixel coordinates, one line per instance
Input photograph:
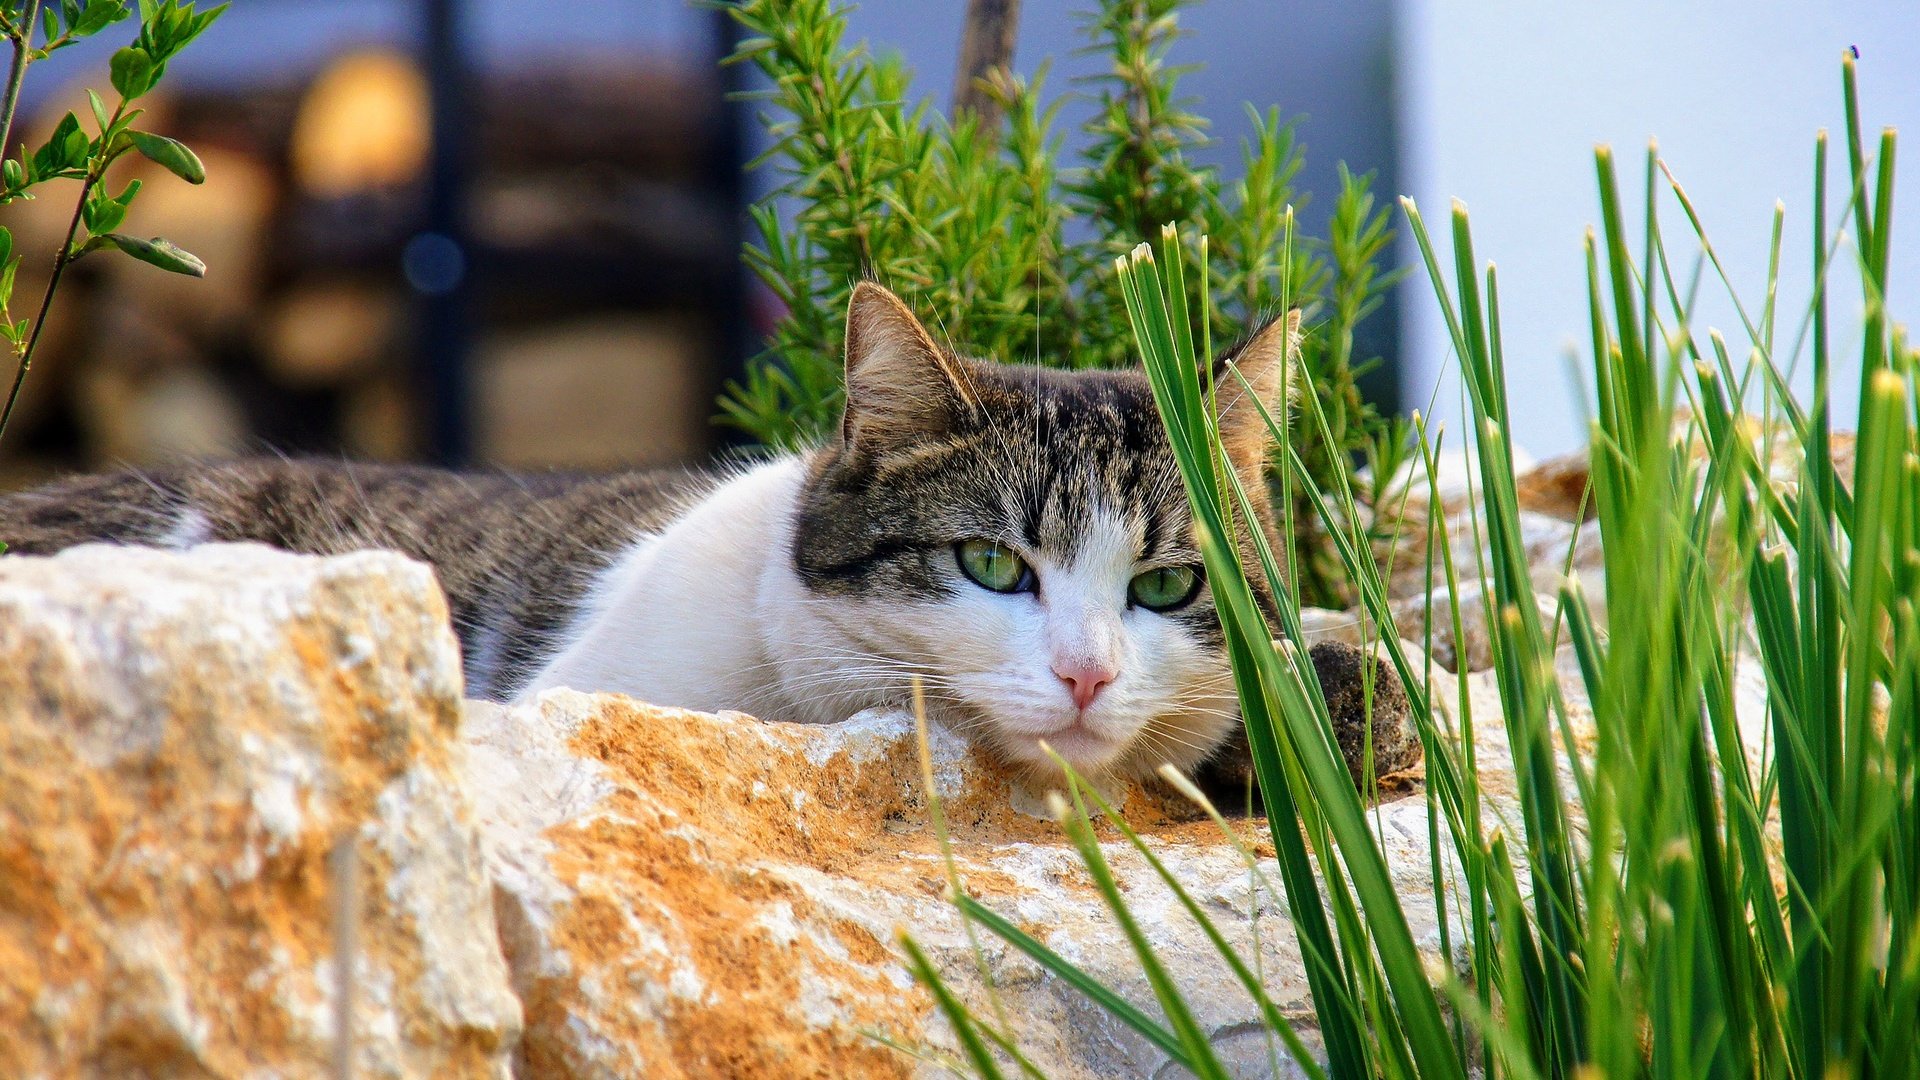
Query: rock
(689, 895)
(1546, 540)
(1457, 481)
(1556, 551)
(1327, 624)
(1557, 487)
(1473, 649)
(185, 740)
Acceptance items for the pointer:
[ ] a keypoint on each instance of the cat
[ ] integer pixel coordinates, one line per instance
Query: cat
(1018, 537)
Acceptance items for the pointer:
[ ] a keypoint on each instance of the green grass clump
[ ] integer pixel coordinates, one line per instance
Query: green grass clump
(1692, 902)
(977, 225)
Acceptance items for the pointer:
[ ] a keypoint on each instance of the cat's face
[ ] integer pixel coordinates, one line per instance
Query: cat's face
(1020, 539)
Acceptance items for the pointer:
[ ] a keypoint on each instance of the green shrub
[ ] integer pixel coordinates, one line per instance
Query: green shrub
(972, 223)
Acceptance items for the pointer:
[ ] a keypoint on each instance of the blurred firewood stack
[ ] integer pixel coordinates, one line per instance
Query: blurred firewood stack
(595, 252)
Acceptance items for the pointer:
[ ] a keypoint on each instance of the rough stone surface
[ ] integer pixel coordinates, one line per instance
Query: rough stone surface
(183, 741)
(1557, 551)
(685, 894)
(1557, 487)
(1547, 540)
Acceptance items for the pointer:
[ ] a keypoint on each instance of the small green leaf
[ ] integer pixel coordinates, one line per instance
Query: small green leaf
(65, 149)
(50, 23)
(99, 15)
(170, 153)
(7, 270)
(157, 251)
(6, 245)
(100, 114)
(132, 72)
(14, 174)
(102, 214)
(204, 20)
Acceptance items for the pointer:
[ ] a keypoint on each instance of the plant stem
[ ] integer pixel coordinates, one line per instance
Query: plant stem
(22, 37)
(46, 300)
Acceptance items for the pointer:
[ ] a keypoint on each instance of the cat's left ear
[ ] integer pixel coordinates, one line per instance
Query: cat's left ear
(901, 387)
(1263, 372)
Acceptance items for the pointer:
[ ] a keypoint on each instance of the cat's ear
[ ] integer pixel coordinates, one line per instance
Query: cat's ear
(1264, 371)
(901, 387)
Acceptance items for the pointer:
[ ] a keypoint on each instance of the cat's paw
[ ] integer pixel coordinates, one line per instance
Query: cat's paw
(1361, 693)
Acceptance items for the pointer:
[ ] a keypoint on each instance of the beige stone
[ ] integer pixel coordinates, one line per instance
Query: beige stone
(690, 895)
(184, 739)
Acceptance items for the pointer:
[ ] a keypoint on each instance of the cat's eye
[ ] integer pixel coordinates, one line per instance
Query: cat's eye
(1164, 588)
(993, 565)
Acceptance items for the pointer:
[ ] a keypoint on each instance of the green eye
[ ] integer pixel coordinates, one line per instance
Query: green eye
(993, 566)
(1164, 587)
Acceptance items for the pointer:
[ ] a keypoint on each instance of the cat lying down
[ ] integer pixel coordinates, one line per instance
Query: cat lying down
(1018, 537)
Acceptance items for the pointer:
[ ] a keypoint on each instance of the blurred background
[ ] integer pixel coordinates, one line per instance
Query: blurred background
(507, 231)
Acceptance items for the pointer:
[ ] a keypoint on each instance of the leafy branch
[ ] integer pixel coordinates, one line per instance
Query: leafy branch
(166, 28)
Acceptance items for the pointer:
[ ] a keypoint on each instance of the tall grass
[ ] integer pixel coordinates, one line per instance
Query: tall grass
(1696, 901)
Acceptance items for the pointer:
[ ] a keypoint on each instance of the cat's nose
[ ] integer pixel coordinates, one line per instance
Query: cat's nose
(1084, 680)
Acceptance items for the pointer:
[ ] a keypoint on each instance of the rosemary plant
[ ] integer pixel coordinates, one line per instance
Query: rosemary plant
(974, 224)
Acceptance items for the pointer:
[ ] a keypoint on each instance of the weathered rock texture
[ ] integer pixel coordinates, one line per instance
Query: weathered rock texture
(183, 742)
(582, 886)
(684, 894)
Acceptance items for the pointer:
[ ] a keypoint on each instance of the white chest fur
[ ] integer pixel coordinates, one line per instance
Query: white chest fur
(675, 618)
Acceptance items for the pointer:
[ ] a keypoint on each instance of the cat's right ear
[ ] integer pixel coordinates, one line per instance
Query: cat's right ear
(1257, 381)
(901, 387)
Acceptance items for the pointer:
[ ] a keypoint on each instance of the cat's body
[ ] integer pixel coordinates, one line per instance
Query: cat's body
(515, 555)
(1016, 537)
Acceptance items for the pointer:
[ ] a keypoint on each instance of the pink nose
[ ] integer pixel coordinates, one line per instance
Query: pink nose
(1084, 680)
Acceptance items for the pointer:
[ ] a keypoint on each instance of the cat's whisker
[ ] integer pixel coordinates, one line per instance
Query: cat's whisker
(831, 657)
(1161, 742)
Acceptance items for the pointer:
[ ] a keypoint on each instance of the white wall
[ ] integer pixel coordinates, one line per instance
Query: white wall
(1502, 102)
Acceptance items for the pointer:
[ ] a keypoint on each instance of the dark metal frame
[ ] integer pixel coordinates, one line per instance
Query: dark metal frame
(445, 326)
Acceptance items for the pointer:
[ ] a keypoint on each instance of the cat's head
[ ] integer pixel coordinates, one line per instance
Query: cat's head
(1020, 538)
